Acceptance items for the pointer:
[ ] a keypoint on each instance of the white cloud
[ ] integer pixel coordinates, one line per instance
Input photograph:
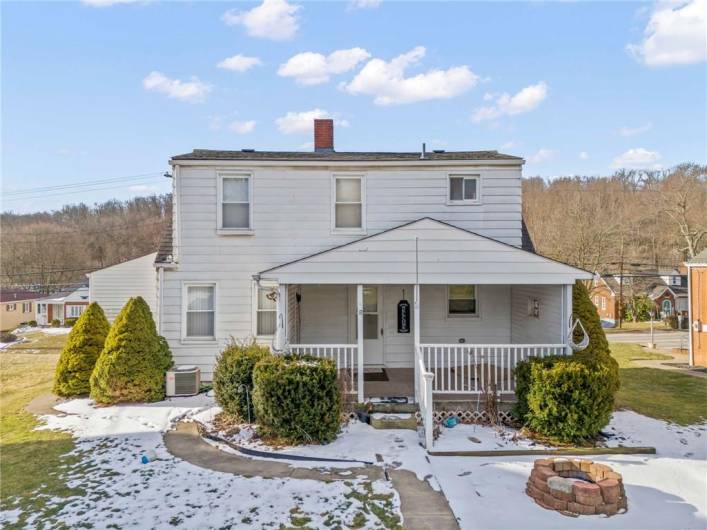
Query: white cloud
(303, 122)
(584, 155)
(633, 131)
(386, 81)
(363, 4)
(506, 105)
(542, 155)
(239, 63)
(637, 158)
(192, 91)
(675, 35)
(108, 3)
(273, 19)
(309, 68)
(242, 127)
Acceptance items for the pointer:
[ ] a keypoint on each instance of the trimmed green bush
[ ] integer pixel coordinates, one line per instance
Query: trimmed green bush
(296, 398)
(69, 322)
(82, 348)
(568, 400)
(55, 323)
(134, 360)
(32, 323)
(551, 392)
(233, 378)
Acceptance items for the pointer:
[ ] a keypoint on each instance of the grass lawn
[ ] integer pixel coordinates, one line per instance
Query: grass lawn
(658, 325)
(30, 459)
(662, 394)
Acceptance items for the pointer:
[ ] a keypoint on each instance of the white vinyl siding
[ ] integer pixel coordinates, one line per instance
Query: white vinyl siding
(200, 311)
(464, 189)
(544, 329)
(112, 287)
(349, 204)
(235, 203)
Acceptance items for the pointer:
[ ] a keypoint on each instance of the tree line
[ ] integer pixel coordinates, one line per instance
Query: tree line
(50, 250)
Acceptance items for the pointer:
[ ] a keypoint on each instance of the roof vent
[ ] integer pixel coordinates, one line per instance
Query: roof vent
(438, 151)
(247, 150)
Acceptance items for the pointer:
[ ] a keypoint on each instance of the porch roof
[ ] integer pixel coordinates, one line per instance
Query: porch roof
(425, 251)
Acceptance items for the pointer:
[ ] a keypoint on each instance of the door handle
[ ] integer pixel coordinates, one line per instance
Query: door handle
(381, 332)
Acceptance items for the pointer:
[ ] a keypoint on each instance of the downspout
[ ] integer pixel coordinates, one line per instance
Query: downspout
(160, 298)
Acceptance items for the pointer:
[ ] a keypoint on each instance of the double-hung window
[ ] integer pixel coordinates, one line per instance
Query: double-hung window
(266, 312)
(75, 310)
(200, 311)
(463, 189)
(349, 203)
(26, 307)
(234, 207)
(462, 300)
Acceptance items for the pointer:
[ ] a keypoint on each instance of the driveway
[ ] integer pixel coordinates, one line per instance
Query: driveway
(664, 340)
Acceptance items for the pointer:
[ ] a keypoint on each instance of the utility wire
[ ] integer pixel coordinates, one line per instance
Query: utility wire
(74, 192)
(80, 184)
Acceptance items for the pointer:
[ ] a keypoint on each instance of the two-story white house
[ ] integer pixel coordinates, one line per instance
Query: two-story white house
(399, 266)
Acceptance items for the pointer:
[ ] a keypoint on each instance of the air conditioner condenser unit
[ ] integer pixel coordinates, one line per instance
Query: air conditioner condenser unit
(183, 381)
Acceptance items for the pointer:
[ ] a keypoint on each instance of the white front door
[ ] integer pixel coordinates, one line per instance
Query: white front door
(41, 314)
(372, 325)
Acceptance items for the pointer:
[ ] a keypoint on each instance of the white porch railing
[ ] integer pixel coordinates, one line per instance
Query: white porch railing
(345, 356)
(469, 368)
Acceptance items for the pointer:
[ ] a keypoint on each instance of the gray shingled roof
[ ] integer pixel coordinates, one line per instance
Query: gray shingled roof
(208, 154)
(164, 251)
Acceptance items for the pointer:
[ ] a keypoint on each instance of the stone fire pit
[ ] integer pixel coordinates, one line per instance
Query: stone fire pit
(576, 487)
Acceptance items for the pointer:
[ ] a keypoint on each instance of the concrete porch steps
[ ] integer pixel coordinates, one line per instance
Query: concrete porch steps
(392, 420)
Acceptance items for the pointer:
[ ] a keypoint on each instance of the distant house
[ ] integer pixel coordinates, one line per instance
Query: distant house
(16, 307)
(113, 286)
(697, 289)
(605, 297)
(69, 303)
(669, 300)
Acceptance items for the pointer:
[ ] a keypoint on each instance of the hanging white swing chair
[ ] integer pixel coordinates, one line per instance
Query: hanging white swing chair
(582, 344)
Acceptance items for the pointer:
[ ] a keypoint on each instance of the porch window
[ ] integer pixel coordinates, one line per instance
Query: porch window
(266, 317)
(200, 311)
(463, 189)
(462, 300)
(26, 307)
(349, 204)
(75, 311)
(235, 202)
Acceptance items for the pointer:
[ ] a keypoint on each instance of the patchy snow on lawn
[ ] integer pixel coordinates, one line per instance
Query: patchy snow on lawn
(665, 491)
(121, 492)
(47, 330)
(475, 437)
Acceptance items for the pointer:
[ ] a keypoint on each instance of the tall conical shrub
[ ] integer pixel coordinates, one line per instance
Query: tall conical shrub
(133, 362)
(82, 348)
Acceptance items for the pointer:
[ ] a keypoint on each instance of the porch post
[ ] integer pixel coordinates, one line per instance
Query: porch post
(416, 336)
(567, 303)
(359, 338)
(281, 329)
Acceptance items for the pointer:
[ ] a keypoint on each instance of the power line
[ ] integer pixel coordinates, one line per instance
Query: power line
(80, 184)
(74, 192)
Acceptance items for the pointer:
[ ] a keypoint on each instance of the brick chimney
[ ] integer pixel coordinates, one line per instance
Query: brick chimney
(323, 136)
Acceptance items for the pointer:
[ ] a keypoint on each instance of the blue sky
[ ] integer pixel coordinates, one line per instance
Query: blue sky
(106, 89)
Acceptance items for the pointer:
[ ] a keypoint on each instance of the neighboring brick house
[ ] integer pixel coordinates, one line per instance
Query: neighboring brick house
(605, 297)
(16, 307)
(69, 303)
(697, 288)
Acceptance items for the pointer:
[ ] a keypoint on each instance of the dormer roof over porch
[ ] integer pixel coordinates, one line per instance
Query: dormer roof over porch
(425, 251)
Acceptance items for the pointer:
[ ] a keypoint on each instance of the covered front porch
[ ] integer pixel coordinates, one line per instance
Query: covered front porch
(424, 311)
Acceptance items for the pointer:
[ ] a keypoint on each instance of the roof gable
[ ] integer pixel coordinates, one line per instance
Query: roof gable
(426, 251)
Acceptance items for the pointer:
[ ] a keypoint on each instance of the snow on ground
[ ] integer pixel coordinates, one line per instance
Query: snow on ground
(665, 491)
(121, 492)
(474, 437)
(47, 330)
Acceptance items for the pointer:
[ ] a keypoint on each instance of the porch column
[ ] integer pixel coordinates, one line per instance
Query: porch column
(416, 337)
(281, 323)
(567, 317)
(359, 338)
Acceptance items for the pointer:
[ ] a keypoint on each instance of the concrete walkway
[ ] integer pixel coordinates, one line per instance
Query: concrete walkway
(423, 508)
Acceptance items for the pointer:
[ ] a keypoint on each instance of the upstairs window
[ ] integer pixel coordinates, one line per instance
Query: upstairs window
(235, 195)
(349, 204)
(462, 300)
(200, 311)
(463, 189)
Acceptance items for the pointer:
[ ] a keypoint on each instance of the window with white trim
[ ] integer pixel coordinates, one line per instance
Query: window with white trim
(75, 311)
(462, 300)
(200, 311)
(266, 311)
(235, 196)
(463, 189)
(26, 307)
(349, 203)
(603, 302)
(11, 307)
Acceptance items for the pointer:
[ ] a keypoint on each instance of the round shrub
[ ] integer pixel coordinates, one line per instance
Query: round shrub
(69, 322)
(82, 348)
(133, 362)
(233, 378)
(56, 323)
(32, 323)
(569, 400)
(6, 337)
(296, 398)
